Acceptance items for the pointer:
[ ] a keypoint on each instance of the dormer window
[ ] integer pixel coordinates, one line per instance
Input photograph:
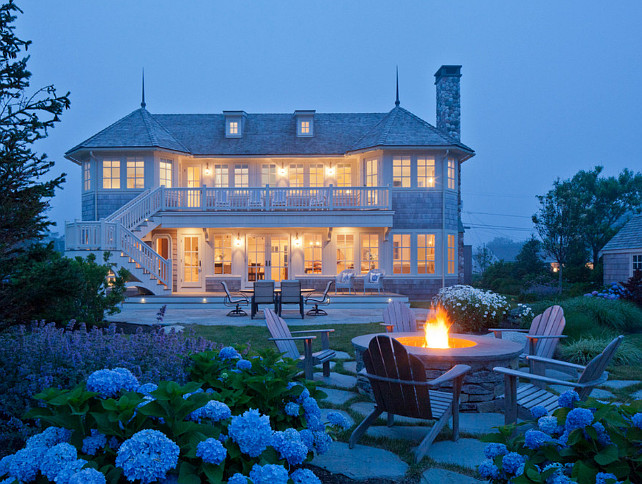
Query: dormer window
(234, 123)
(234, 127)
(305, 127)
(304, 122)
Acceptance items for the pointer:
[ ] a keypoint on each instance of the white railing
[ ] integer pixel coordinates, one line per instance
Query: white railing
(138, 210)
(114, 236)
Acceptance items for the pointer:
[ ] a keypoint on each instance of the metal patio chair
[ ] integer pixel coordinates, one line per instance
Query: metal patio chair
(316, 300)
(236, 303)
(263, 294)
(291, 294)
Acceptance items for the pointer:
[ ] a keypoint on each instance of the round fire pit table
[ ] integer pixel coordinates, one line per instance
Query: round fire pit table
(482, 353)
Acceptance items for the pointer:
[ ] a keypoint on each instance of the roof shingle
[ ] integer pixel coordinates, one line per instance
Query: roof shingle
(629, 236)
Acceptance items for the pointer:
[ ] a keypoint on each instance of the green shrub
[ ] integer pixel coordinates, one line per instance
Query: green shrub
(620, 316)
(583, 350)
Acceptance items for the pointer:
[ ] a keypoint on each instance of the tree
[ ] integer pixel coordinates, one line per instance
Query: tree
(484, 258)
(528, 260)
(25, 117)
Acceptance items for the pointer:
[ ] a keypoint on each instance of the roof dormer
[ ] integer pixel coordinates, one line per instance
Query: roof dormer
(304, 122)
(234, 123)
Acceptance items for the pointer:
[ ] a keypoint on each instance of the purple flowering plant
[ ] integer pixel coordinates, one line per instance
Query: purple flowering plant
(579, 442)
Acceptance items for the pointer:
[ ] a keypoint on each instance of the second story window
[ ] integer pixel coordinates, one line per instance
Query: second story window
(295, 174)
(372, 175)
(234, 127)
(86, 176)
(452, 173)
(166, 173)
(305, 127)
(135, 173)
(344, 175)
(317, 175)
(401, 171)
(221, 176)
(426, 172)
(111, 174)
(268, 175)
(241, 176)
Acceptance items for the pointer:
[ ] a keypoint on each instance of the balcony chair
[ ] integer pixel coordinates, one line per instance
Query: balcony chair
(236, 303)
(316, 300)
(291, 294)
(400, 387)
(286, 344)
(263, 294)
(519, 399)
(344, 280)
(397, 317)
(374, 280)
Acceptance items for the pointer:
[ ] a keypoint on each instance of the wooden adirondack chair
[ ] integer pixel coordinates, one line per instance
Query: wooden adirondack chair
(399, 385)
(397, 317)
(521, 398)
(286, 343)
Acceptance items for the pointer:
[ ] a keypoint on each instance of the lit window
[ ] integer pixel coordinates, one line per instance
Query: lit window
(451, 254)
(312, 253)
(111, 174)
(401, 254)
(369, 252)
(401, 171)
(426, 253)
(344, 175)
(135, 173)
(222, 254)
(193, 176)
(317, 175)
(166, 173)
(295, 174)
(637, 262)
(221, 176)
(305, 127)
(426, 172)
(234, 127)
(241, 176)
(372, 175)
(268, 175)
(345, 252)
(86, 175)
(451, 173)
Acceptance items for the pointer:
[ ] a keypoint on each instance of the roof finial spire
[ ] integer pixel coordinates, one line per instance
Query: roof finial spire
(143, 104)
(397, 100)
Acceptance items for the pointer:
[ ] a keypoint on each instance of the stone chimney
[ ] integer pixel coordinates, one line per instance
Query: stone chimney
(448, 101)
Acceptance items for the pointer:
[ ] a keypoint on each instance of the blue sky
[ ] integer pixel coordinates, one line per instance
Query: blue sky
(548, 87)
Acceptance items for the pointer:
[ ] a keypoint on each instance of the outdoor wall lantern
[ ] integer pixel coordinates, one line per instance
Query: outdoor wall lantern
(238, 242)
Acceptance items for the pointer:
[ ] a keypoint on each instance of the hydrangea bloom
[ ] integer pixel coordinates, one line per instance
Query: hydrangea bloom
(290, 446)
(147, 456)
(244, 365)
(314, 423)
(488, 469)
(637, 420)
(4, 464)
(534, 439)
(304, 476)
(538, 412)
(492, 450)
(229, 353)
(322, 442)
(109, 383)
(578, 418)
(549, 425)
(237, 478)
(26, 462)
(69, 470)
(292, 409)
(92, 444)
(269, 474)
(605, 477)
(222, 438)
(603, 437)
(304, 394)
(113, 443)
(559, 478)
(87, 476)
(49, 437)
(251, 431)
(147, 388)
(563, 439)
(339, 420)
(311, 407)
(211, 451)
(213, 410)
(568, 399)
(56, 458)
(513, 463)
(307, 437)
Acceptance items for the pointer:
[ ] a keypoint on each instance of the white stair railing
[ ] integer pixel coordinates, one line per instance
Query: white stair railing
(138, 210)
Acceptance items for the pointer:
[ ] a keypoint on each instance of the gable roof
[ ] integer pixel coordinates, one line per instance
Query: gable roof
(629, 236)
(269, 134)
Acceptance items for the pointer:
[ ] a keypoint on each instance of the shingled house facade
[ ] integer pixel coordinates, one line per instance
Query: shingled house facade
(185, 201)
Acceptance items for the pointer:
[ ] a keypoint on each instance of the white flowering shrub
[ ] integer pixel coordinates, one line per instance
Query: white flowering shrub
(472, 309)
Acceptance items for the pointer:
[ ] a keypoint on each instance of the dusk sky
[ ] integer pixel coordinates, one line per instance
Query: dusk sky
(548, 88)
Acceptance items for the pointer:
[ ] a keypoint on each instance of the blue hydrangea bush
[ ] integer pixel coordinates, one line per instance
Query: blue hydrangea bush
(585, 442)
(113, 429)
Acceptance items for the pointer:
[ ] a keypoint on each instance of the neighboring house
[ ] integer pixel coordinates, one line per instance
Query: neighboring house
(185, 201)
(622, 255)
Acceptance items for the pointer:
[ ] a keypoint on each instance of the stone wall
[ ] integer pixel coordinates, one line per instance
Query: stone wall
(213, 284)
(448, 100)
(617, 267)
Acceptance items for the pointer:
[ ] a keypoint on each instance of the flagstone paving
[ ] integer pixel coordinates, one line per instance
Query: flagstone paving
(342, 355)
(442, 476)
(596, 393)
(637, 395)
(350, 366)
(336, 380)
(320, 365)
(401, 432)
(337, 397)
(618, 384)
(465, 452)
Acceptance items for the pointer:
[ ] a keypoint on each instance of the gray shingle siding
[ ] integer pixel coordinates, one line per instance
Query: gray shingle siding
(616, 267)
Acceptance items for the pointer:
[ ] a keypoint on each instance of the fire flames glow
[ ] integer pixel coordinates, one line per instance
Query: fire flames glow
(437, 330)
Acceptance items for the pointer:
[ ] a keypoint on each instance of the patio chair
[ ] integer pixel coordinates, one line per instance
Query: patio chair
(398, 317)
(344, 280)
(519, 399)
(263, 294)
(236, 303)
(374, 280)
(311, 299)
(291, 294)
(400, 387)
(286, 344)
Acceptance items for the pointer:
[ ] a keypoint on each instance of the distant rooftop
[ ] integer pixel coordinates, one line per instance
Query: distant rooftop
(629, 236)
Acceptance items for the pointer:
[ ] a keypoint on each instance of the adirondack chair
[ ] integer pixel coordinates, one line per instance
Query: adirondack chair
(398, 317)
(519, 399)
(400, 387)
(286, 343)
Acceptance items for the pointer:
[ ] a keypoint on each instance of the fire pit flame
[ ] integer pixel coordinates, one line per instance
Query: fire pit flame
(436, 330)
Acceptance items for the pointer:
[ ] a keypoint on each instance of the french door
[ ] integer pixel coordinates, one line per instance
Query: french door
(268, 257)
(193, 179)
(191, 253)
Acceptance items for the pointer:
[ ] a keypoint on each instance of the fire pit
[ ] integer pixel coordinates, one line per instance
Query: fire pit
(481, 387)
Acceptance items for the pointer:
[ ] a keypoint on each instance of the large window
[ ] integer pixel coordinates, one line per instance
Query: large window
(241, 176)
(86, 175)
(426, 172)
(401, 171)
(268, 175)
(313, 253)
(426, 253)
(372, 175)
(369, 252)
(317, 175)
(451, 254)
(345, 252)
(295, 174)
(344, 175)
(166, 173)
(111, 174)
(452, 173)
(221, 176)
(135, 173)
(222, 254)
(401, 253)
